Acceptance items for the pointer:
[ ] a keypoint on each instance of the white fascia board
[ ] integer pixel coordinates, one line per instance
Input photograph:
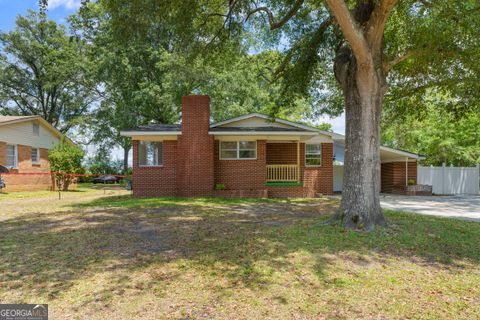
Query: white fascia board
(262, 133)
(149, 133)
(403, 153)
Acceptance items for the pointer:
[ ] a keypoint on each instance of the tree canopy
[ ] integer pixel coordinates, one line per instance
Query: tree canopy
(45, 71)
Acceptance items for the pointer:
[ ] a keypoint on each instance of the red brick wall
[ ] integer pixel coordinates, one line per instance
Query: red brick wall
(3, 153)
(393, 174)
(195, 148)
(319, 180)
(242, 174)
(25, 165)
(286, 192)
(156, 181)
(283, 153)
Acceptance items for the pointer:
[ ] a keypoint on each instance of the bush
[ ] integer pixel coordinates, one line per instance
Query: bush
(219, 186)
(65, 158)
(412, 182)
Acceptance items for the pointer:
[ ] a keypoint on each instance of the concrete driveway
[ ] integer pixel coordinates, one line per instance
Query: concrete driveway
(465, 207)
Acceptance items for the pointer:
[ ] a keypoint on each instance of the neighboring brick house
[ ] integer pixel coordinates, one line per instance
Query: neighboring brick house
(24, 145)
(248, 156)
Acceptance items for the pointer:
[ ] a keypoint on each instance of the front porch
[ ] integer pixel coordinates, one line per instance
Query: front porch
(283, 163)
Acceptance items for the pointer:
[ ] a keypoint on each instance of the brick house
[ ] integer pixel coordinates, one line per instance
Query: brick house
(247, 156)
(24, 145)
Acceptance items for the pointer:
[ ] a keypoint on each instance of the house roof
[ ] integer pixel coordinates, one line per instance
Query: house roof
(8, 120)
(157, 127)
(12, 119)
(219, 128)
(273, 120)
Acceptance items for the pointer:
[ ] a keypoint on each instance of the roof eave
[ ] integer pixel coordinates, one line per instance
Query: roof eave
(149, 133)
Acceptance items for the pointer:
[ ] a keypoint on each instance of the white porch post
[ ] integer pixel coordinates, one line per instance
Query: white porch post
(298, 161)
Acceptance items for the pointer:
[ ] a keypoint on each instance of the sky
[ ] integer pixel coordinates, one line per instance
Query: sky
(59, 10)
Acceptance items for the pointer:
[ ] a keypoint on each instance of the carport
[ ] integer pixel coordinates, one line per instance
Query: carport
(398, 167)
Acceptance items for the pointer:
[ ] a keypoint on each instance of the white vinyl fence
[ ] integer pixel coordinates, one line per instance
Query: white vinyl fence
(450, 180)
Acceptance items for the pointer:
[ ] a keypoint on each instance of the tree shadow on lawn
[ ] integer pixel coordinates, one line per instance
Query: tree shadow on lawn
(44, 255)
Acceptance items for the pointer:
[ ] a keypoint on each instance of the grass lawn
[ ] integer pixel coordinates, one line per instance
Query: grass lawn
(99, 254)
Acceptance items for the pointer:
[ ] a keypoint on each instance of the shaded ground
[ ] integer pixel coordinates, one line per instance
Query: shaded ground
(465, 207)
(114, 257)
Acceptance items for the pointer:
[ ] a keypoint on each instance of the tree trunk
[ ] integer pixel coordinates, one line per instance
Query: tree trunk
(364, 89)
(125, 159)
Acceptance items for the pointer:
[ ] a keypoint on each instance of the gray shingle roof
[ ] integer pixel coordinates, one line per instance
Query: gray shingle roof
(255, 129)
(158, 127)
(178, 127)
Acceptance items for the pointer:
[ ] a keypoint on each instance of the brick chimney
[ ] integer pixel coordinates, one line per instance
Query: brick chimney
(195, 148)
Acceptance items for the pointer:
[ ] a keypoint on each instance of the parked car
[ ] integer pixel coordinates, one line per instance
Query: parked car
(106, 179)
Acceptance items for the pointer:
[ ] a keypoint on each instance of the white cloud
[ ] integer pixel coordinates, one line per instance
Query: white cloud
(338, 123)
(68, 4)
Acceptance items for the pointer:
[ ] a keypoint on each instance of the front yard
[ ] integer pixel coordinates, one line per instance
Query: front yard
(99, 254)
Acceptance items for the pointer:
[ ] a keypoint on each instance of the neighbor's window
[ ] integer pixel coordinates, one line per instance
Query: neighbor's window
(36, 129)
(150, 153)
(313, 154)
(238, 150)
(11, 156)
(35, 155)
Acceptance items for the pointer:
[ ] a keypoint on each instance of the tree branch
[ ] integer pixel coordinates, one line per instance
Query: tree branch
(271, 19)
(376, 25)
(387, 65)
(350, 30)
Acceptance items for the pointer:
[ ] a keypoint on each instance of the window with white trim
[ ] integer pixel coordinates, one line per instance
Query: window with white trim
(150, 153)
(36, 129)
(234, 150)
(313, 155)
(11, 156)
(35, 156)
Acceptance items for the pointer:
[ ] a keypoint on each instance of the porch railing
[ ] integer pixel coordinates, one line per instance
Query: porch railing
(283, 172)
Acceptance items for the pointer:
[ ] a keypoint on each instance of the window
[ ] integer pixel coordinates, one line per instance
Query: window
(36, 129)
(230, 150)
(11, 156)
(35, 155)
(150, 153)
(313, 155)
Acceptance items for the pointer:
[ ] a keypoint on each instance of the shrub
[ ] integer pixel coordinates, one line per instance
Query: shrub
(219, 186)
(412, 182)
(65, 158)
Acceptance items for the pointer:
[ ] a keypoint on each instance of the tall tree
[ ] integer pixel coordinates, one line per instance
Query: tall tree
(144, 78)
(44, 71)
(372, 43)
